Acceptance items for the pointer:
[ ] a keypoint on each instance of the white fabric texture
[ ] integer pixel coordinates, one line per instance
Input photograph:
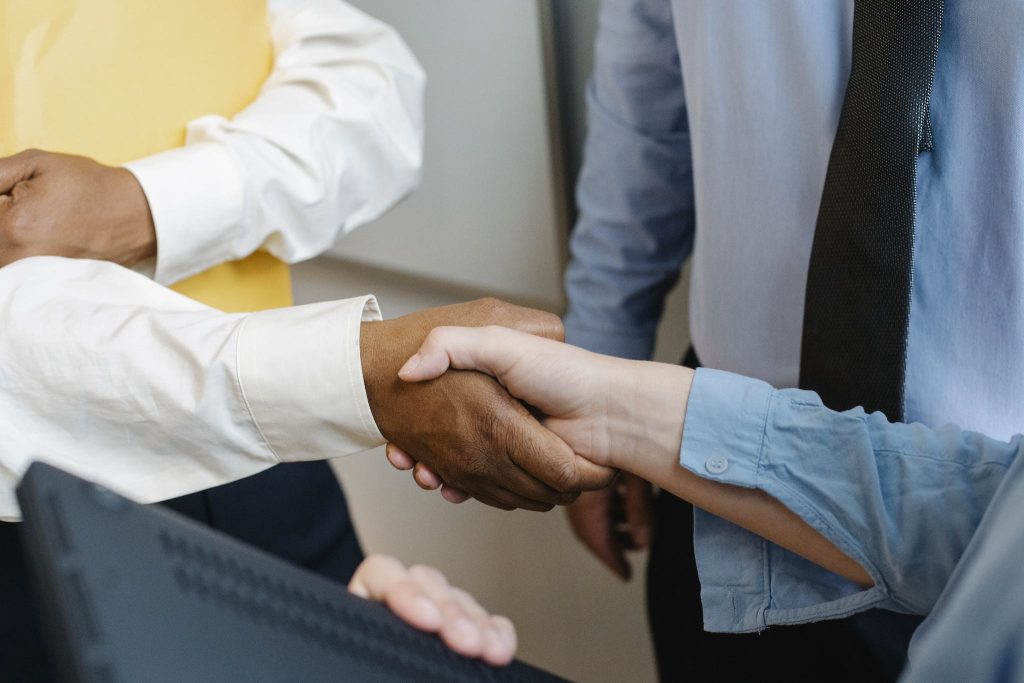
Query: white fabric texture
(111, 376)
(334, 139)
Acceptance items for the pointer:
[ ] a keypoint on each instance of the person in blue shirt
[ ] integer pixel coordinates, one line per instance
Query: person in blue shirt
(710, 129)
(803, 513)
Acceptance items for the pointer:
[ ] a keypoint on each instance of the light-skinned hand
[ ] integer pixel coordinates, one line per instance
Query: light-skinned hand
(423, 598)
(587, 399)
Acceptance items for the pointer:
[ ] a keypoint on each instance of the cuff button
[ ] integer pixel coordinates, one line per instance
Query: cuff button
(716, 465)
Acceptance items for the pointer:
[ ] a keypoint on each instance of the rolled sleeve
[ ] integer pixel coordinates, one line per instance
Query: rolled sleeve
(301, 375)
(902, 500)
(748, 583)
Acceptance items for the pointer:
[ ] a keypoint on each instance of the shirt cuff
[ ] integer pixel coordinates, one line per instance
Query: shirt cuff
(748, 583)
(196, 196)
(302, 378)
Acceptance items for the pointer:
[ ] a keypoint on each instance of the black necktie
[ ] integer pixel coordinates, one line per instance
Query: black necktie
(858, 286)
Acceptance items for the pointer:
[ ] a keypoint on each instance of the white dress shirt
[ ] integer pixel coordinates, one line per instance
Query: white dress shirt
(334, 139)
(110, 375)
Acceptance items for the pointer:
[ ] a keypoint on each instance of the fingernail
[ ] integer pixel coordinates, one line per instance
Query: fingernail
(410, 365)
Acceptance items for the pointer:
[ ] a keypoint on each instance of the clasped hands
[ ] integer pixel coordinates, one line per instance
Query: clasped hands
(450, 402)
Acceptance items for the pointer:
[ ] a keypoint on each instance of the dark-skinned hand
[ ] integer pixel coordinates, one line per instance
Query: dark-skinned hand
(614, 521)
(63, 205)
(464, 426)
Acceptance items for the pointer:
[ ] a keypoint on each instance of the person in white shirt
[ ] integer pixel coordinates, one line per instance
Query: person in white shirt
(105, 372)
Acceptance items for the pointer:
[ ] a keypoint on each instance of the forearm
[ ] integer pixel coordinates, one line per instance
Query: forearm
(654, 407)
(115, 378)
(868, 486)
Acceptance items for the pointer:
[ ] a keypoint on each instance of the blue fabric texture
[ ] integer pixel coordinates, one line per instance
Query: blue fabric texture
(901, 499)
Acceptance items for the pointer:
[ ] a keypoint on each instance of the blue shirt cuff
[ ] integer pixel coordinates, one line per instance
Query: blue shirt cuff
(748, 583)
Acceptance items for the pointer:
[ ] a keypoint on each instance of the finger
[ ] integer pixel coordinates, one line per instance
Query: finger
(460, 632)
(15, 169)
(384, 579)
(513, 501)
(453, 495)
(488, 349)
(398, 458)
(464, 626)
(494, 647)
(426, 478)
(592, 519)
(636, 503)
(547, 457)
(521, 483)
(432, 580)
(488, 499)
(374, 575)
(507, 630)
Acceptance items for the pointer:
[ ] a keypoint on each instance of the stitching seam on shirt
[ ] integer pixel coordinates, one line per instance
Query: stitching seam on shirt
(764, 436)
(241, 389)
(765, 559)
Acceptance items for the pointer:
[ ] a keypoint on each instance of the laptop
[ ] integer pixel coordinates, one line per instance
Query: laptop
(133, 594)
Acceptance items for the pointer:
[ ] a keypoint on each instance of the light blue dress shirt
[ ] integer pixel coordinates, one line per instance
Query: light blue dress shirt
(933, 515)
(730, 168)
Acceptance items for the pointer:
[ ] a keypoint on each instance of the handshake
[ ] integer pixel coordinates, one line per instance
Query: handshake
(458, 407)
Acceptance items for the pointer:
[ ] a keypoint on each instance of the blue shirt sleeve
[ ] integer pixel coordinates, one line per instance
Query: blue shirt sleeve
(903, 500)
(635, 191)
(984, 601)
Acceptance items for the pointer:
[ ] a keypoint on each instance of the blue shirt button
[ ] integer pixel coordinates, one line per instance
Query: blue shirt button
(716, 465)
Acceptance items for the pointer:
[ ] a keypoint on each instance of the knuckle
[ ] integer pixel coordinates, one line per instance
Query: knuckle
(378, 563)
(17, 224)
(564, 478)
(428, 574)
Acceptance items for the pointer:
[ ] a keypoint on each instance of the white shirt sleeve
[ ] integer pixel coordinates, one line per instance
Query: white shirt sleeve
(333, 140)
(110, 376)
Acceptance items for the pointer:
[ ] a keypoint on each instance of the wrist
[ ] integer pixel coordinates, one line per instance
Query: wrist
(377, 375)
(136, 238)
(648, 424)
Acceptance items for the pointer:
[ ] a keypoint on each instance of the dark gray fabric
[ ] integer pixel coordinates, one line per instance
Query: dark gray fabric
(858, 286)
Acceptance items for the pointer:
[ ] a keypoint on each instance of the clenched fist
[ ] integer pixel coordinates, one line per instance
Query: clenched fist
(64, 205)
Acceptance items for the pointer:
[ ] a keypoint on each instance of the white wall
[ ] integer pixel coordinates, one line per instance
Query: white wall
(490, 210)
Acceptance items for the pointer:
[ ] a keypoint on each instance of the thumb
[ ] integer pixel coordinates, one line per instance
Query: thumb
(486, 349)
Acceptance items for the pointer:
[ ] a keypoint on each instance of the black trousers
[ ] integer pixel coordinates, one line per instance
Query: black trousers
(871, 648)
(295, 511)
